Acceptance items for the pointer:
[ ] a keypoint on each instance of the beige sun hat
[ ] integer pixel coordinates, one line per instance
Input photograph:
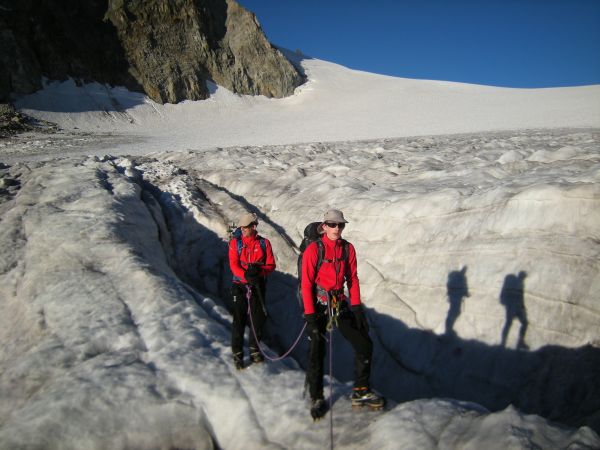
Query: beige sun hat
(246, 219)
(334, 215)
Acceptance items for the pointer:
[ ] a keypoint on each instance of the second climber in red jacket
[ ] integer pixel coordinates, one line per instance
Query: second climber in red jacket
(326, 265)
(251, 260)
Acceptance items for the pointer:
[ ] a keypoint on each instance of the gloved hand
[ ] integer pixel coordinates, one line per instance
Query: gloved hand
(311, 326)
(252, 274)
(361, 319)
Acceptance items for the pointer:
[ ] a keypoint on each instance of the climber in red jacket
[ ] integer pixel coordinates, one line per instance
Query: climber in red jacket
(251, 260)
(327, 264)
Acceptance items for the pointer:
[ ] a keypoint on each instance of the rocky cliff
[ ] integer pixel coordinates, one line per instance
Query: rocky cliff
(57, 39)
(166, 48)
(174, 45)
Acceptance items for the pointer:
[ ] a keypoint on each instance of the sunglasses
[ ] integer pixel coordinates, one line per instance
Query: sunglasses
(335, 225)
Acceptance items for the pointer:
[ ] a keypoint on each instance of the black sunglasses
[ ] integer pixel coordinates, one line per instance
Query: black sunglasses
(335, 225)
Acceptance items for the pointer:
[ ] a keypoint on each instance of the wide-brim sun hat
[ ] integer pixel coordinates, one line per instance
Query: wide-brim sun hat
(334, 215)
(246, 219)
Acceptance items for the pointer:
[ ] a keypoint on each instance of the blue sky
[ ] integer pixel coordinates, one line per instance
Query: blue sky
(514, 43)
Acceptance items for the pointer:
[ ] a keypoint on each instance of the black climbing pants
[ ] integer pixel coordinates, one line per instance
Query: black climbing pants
(240, 315)
(358, 339)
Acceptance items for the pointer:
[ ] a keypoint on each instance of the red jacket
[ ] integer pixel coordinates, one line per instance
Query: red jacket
(251, 252)
(331, 275)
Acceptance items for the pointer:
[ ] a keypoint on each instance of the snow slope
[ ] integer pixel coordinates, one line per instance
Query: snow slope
(474, 211)
(335, 104)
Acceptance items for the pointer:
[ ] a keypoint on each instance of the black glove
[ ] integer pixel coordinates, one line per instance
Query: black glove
(311, 326)
(361, 319)
(252, 274)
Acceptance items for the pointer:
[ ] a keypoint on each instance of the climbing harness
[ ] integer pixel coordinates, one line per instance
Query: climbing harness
(333, 311)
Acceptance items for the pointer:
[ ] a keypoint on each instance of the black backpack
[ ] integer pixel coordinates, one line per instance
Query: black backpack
(311, 234)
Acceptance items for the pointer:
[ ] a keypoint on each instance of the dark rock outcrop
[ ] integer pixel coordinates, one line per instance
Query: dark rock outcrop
(11, 121)
(174, 45)
(14, 122)
(58, 39)
(167, 48)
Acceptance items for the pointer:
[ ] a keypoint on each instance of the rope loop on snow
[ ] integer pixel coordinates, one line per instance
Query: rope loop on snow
(270, 358)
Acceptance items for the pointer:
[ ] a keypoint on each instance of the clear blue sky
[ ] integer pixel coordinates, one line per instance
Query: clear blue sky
(515, 43)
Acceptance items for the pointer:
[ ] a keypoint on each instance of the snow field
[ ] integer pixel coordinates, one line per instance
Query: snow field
(118, 345)
(478, 259)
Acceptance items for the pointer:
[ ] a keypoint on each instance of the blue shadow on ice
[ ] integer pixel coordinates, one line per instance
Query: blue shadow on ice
(457, 289)
(74, 96)
(513, 299)
(558, 383)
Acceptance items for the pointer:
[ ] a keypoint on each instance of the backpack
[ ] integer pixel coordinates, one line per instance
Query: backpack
(237, 235)
(311, 234)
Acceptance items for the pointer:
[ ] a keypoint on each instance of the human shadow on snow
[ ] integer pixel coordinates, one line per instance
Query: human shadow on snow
(558, 383)
(457, 289)
(512, 297)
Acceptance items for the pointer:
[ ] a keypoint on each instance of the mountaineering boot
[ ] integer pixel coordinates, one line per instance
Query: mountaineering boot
(238, 360)
(318, 408)
(256, 356)
(365, 397)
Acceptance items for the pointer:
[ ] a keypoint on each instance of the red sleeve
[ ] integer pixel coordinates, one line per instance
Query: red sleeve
(309, 265)
(234, 261)
(269, 265)
(352, 277)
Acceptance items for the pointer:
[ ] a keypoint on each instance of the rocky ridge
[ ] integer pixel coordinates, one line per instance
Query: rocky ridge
(165, 48)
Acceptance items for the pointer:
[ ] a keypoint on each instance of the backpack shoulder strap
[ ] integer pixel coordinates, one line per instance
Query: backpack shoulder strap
(238, 237)
(345, 250)
(320, 254)
(263, 245)
(261, 242)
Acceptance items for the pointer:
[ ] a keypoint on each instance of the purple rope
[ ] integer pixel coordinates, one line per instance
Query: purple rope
(330, 310)
(248, 297)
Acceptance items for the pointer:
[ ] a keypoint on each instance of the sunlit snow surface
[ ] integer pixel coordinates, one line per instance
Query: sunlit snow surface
(478, 258)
